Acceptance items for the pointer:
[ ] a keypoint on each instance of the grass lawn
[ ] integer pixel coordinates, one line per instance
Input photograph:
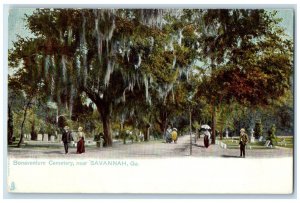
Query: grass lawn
(285, 141)
(233, 143)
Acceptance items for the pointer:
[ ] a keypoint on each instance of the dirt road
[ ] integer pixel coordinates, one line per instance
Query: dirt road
(152, 149)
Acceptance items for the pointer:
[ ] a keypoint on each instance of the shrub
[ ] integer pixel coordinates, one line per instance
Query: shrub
(272, 135)
(258, 129)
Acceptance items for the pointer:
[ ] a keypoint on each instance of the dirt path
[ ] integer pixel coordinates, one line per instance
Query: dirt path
(153, 149)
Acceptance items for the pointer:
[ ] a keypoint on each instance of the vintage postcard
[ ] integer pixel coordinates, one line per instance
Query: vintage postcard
(150, 100)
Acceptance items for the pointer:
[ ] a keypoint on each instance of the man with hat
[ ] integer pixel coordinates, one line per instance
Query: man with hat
(243, 142)
(66, 138)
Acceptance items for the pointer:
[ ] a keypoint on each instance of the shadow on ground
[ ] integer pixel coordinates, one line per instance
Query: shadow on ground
(230, 156)
(54, 152)
(197, 145)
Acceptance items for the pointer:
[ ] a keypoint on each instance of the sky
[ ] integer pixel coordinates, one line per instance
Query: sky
(16, 23)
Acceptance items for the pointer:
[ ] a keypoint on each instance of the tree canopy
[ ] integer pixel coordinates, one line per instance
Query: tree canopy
(154, 61)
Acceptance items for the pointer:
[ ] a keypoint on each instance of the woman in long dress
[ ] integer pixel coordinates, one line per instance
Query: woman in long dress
(206, 138)
(80, 143)
(174, 135)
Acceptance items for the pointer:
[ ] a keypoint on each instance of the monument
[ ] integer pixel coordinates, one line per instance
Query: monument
(226, 133)
(252, 138)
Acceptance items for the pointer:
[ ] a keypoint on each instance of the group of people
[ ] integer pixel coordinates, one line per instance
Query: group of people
(171, 135)
(67, 138)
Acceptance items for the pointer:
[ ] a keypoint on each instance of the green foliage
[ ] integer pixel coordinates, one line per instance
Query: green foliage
(143, 73)
(258, 129)
(196, 125)
(272, 135)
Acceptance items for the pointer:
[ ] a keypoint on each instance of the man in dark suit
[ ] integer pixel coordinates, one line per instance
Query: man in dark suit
(66, 138)
(243, 141)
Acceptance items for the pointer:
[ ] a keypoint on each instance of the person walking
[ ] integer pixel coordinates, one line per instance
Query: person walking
(80, 143)
(206, 138)
(66, 138)
(243, 142)
(168, 134)
(174, 135)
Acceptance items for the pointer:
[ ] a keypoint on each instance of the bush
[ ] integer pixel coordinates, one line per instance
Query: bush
(258, 130)
(272, 135)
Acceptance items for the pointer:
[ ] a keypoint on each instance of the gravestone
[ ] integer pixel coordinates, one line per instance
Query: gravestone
(141, 136)
(59, 137)
(226, 133)
(39, 137)
(45, 138)
(52, 138)
(252, 138)
(260, 139)
(267, 143)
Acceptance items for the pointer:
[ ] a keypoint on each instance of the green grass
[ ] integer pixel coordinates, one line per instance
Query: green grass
(286, 142)
(235, 144)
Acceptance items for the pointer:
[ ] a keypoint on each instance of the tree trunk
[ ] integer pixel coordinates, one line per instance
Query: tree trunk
(107, 130)
(104, 109)
(147, 133)
(164, 123)
(10, 126)
(22, 125)
(213, 135)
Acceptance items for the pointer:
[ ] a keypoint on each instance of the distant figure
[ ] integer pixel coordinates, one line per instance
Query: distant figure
(206, 138)
(80, 143)
(174, 135)
(243, 142)
(66, 138)
(168, 134)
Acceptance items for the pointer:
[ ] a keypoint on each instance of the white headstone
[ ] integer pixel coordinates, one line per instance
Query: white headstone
(45, 138)
(59, 137)
(39, 137)
(260, 139)
(226, 133)
(251, 132)
(267, 143)
(252, 138)
(52, 138)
